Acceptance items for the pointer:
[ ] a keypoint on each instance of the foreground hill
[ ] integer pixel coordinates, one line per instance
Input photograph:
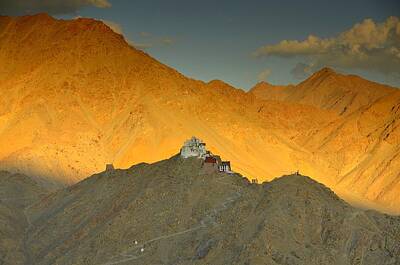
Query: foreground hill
(173, 212)
(17, 193)
(76, 96)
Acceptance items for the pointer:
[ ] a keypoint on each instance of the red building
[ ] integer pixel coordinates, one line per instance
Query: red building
(210, 159)
(213, 163)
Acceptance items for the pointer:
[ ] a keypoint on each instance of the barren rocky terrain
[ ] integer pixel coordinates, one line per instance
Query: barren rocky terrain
(17, 193)
(173, 212)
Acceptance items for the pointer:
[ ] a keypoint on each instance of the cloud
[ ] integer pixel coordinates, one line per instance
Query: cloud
(263, 75)
(145, 34)
(140, 46)
(301, 71)
(154, 41)
(54, 7)
(367, 45)
(167, 41)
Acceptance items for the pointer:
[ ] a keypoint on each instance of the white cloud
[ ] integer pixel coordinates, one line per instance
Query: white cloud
(263, 75)
(367, 45)
(140, 46)
(99, 3)
(301, 70)
(167, 41)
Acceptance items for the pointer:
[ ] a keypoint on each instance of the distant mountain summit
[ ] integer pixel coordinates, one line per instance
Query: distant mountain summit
(265, 90)
(329, 90)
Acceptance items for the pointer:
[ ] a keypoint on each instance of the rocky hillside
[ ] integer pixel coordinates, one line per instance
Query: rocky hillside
(76, 96)
(76, 88)
(173, 212)
(17, 193)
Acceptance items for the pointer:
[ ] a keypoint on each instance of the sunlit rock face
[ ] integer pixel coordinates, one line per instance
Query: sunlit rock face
(76, 96)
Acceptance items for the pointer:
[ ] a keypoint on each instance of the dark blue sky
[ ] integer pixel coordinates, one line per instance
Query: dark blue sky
(216, 39)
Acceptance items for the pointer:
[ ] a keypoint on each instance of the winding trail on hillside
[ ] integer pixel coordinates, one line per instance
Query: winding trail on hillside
(28, 255)
(208, 220)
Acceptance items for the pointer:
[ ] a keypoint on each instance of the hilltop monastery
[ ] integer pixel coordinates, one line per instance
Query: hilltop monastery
(195, 147)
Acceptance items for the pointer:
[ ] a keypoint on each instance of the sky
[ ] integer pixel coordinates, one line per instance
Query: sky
(245, 42)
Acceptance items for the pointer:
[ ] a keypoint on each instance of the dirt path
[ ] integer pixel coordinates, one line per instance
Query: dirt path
(28, 254)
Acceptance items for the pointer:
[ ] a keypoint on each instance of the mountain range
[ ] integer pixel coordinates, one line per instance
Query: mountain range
(76, 96)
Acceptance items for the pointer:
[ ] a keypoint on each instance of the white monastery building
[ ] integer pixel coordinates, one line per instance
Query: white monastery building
(195, 147)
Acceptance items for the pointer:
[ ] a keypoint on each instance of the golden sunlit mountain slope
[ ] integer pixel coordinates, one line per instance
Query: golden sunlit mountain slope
(364, 148)
(327, 89)
(267, 91)
(362, 143)
(76, 96)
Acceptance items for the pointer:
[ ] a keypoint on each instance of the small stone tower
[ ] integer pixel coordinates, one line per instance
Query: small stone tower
(109, 167)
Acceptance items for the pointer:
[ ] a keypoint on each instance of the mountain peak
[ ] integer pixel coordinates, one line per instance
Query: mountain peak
(40, 16)
(263, 83)
(324, 73)
(53, 39)
(327, 70)
(219, 83)
(223, 87)
(47, 23)
(265, 90)
(36, 18)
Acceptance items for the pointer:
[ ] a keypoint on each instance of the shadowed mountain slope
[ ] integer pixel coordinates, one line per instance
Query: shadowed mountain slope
(17, 193)
(173, 212)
